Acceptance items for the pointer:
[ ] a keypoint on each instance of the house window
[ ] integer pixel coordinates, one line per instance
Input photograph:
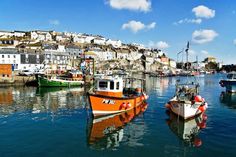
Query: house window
(14, 56)
(2, 56)
(102, 84)
(14, 61)
(8, 56)
(3, 61)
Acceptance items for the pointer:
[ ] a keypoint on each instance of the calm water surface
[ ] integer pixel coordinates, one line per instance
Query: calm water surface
(57, 122)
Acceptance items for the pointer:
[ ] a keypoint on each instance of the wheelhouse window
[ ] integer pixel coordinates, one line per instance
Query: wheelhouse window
(112, 85)
(117, 85)
(231, 76)
(102, 84)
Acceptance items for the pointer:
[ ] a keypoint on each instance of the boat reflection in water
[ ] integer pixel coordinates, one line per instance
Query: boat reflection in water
(40, 100)
(187, 130)
(107, 132)
(228, 99)
(55, 98)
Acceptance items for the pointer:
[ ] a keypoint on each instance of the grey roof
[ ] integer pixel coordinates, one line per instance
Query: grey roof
(9, 51)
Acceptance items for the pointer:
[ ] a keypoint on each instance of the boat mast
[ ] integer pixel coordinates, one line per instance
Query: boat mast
(186, 50)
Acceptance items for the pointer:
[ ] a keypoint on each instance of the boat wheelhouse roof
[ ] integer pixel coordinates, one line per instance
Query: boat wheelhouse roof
(108, 78)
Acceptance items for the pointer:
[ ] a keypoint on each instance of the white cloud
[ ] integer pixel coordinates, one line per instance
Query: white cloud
(136, 26)
(140, 5)
(54, 22)
(203, 36)
(202, 11)
(151, 25)
(158, 45)
(186, 20)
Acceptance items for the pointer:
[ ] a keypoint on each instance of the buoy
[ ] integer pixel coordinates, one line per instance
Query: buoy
(197, 142)
(198, 98)
(142, 97)
(202, 108)
(204, 117)
(123, 105)
(128, 105)
(167, 106)
(202, 125)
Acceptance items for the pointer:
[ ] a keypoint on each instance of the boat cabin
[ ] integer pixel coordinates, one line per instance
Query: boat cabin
(231, 76)
(118, 87)
(109, 86)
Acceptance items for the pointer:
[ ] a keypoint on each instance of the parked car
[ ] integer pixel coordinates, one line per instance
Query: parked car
(26, 73)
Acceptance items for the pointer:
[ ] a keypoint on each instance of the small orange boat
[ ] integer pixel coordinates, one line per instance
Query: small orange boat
(104, 130)
(113, 95)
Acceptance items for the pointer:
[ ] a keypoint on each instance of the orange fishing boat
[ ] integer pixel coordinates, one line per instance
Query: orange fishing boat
(104, 130)
(113, 95)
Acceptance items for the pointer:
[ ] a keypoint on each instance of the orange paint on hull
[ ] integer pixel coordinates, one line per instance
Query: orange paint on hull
(114, 94)
(105, 105)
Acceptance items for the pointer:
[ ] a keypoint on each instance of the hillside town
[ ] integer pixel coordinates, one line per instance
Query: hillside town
(37, 50)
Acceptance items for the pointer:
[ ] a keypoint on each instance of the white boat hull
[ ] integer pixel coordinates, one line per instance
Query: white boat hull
(186, 109)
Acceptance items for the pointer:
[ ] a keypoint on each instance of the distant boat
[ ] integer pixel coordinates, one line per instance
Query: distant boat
(113, 95)
(187, 130)
(229, 83)
(58, 82)
(187, 102)
(107, 132)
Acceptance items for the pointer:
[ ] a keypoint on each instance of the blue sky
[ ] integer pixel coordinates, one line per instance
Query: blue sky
(209, 25)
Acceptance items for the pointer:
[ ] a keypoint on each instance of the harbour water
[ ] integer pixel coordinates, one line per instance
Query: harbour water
(57, 122)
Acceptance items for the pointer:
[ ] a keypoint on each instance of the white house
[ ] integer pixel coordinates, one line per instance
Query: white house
(139, 46)
(10, 56)
(55, 48)
(122, 53)
(6, 33)
(134, 55)
(88, 39)
(114, 43)
(105, 55)
(41, 35)
(62, 37)
(79, 39)
(99, 41)
(172, 63)
(33, 35)
(19, 33)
